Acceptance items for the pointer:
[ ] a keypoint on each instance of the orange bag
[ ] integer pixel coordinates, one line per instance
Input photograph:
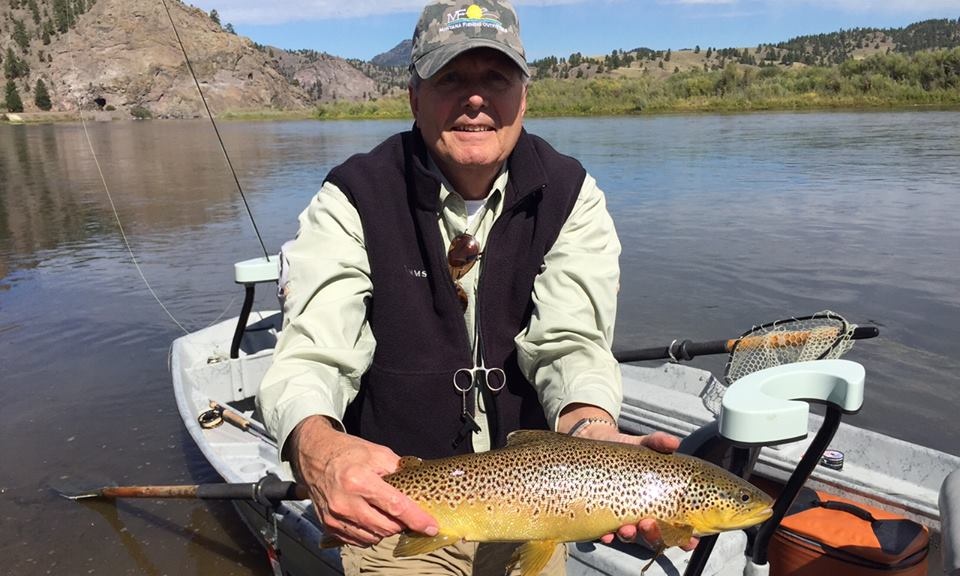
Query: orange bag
(823, 534)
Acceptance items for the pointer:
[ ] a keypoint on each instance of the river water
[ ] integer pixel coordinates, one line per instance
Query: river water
(727, 221)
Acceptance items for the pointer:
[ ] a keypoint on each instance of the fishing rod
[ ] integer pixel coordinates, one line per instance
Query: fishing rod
(223, 148)
(218, 413)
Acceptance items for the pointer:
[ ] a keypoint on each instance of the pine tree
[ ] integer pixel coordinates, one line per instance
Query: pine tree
(41, 97)
(63, 14)
(14, 103)
(20, 35)
(215, 16)
(34, 10)
(14, 67)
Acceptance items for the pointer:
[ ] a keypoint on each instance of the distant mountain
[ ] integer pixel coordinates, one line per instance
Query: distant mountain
(399, 55)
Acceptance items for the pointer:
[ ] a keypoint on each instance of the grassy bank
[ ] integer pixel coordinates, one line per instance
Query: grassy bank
(889, 81)
(927, 79)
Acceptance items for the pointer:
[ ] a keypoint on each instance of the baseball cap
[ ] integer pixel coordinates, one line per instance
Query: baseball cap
(448, 28)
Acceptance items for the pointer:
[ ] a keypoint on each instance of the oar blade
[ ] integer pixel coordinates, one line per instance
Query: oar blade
(114, 492)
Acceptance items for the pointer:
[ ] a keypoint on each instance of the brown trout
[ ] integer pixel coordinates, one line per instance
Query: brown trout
(545, 488)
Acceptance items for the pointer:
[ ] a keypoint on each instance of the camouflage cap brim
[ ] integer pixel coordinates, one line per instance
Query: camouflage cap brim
(431, 62)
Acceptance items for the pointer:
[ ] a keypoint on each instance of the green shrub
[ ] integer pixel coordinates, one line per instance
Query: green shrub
(141, 113)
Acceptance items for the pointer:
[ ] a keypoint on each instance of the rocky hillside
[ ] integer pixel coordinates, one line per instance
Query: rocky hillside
(826, 49)
(123, 55)
(325, 78)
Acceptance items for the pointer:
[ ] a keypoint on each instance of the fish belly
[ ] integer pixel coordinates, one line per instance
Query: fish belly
(522, 522)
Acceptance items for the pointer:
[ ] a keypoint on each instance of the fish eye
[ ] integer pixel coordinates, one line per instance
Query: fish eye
(744, 496)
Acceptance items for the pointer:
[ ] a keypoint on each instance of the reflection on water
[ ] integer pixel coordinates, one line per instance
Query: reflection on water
(726, 222)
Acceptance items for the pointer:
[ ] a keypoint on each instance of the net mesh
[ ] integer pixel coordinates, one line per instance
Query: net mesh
(824, 335)
(821, 336)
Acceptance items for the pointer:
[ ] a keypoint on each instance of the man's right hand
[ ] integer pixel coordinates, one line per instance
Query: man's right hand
(344, 474)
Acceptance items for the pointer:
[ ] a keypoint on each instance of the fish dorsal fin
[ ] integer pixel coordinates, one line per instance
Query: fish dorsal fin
(520, 437)
(409, 462)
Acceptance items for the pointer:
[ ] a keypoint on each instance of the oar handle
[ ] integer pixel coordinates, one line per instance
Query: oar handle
(687, 349)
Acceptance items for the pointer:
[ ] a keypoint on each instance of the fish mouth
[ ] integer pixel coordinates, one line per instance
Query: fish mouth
(749, 518)
(715, 521)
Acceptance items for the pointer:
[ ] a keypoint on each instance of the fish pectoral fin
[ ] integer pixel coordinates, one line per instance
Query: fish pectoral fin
(675, 534)
(412, 544)
(531, 558)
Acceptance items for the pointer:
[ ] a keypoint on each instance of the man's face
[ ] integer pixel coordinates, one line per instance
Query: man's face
(471, 111)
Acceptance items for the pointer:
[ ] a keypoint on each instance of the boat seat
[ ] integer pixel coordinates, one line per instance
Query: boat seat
(249, 273)
(950, 523)
(771, 407)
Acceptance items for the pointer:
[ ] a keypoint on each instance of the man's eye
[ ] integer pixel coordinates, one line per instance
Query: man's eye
(448, 79)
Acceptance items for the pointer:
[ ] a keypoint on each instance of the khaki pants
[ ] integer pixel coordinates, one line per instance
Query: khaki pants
(461, 559)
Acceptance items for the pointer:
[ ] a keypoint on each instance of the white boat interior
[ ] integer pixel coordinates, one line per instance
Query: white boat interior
(880, 470)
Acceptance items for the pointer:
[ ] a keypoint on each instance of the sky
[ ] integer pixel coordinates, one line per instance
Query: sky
(364, 28)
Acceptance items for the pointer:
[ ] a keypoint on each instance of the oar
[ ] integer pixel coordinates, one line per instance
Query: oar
(269, 489)
(687, 350)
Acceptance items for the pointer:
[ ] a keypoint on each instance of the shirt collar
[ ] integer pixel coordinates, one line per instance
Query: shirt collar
(446, 189)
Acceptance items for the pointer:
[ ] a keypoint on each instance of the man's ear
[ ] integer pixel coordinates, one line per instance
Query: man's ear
(414, 101)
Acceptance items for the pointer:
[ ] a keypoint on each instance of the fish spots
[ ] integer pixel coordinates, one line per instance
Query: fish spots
(544, 484)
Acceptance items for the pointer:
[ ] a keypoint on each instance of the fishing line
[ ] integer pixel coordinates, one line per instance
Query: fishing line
(116, 213)
(116, 216)
(216, 130)
(123, 235)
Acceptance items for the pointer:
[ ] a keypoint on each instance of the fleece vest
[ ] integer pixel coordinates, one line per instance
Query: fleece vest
(407, 400)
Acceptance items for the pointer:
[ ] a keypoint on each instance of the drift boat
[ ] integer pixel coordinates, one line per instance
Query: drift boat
(217, 371)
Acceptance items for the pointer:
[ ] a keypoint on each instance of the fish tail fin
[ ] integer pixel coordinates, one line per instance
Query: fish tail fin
(412, 544)
(532, 557)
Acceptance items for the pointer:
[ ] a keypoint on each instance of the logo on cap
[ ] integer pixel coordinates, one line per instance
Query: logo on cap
(472, 16)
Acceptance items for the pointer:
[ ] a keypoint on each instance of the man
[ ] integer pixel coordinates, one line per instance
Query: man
(380, 315)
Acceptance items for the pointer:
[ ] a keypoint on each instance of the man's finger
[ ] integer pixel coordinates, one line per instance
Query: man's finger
(661, 442)
(396, 505)
(649, 531)
(628, 533)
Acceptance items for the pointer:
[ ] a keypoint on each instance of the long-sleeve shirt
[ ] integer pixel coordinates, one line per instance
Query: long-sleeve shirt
(326, 343)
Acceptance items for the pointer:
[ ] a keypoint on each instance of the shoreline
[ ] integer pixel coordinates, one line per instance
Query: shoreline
(362, 111)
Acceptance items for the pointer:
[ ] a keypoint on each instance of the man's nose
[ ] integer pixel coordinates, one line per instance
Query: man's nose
(475, 99)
